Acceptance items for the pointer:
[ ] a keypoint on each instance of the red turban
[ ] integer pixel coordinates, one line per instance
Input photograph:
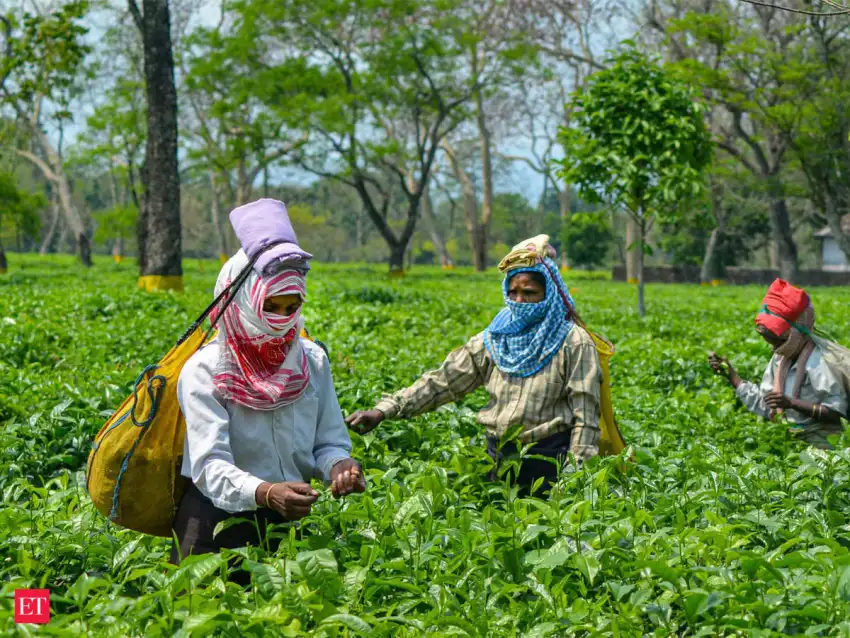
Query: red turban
(784, 300)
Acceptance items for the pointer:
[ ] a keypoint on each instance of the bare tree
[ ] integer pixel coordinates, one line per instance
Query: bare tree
(571, 37)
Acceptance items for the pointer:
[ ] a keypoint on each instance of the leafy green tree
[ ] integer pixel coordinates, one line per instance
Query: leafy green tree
(18, 208)
(375, 85)
(230, 135)
(821, 140)
(751, 64)
(722, 229)
(639, 142)
(587, 238)
(114, 140)
(514, 219)
(39, 72)
(116, 225)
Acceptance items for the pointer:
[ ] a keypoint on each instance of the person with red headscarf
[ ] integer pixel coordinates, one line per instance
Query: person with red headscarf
(801, 381)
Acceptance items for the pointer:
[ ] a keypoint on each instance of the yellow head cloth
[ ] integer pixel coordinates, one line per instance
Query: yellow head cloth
(529, 252)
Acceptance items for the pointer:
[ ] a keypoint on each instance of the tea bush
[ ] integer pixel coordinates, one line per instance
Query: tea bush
(722, 526)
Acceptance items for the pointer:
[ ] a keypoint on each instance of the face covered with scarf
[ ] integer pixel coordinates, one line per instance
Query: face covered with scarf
(787, 319)
(263, 364)
(524, 336)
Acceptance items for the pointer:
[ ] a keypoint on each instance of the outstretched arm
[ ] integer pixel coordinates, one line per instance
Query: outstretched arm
(749, 393)
(464, 370)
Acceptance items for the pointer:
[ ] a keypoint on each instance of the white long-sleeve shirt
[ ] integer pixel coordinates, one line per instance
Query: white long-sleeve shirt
(231, 449)
(820, 386)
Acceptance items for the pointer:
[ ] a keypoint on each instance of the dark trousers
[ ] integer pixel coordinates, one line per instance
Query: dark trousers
(555, 447)
(195, 523)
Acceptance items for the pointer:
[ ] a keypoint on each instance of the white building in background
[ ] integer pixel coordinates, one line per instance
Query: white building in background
(831, 257)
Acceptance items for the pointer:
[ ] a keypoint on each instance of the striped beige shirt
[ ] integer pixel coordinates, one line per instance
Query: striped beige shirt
(564, 395)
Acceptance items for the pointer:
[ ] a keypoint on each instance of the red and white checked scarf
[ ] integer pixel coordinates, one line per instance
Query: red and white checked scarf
(263, 364)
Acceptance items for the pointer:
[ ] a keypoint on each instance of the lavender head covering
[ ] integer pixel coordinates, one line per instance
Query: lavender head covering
(265, 222)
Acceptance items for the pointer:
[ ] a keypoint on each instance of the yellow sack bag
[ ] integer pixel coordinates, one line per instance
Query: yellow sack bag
(134, 467)
(133, 473)
(611, 441)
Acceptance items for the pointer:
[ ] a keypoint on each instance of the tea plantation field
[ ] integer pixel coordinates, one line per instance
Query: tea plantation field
(722, 526)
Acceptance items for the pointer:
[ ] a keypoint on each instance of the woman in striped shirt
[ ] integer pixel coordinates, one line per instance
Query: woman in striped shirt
(539, 365)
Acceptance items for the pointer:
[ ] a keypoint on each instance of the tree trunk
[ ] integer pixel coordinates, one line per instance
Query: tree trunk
(359, 227)
(4, 265)
(84, 248)
(215, 212)
(75, 223)
(67, 241)
(433, 227)
(641, 228)
(786, 249)
(564, 202)
(632, 247)
(116, 250)
(161, 243)
(397, 252)
(397, 245)
(470, 207)
(832, 212)
(142, 232)
(54, 222)
(711, 267)
(486, 181)
(541, 203)
(244, 186)
(54, 172)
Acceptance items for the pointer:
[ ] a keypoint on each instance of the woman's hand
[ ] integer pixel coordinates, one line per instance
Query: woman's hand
(346, 478)
(364, 421)
(722, 367)
(777, 401)
(292, 499)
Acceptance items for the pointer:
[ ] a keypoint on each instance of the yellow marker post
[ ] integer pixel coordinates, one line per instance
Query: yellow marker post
(117, 258)
(718, 282)
(153, 283)
(223, 258)
(632, 280)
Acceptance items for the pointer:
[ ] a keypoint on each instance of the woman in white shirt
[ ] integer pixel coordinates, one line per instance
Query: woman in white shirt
(262, 416)
(803, 379)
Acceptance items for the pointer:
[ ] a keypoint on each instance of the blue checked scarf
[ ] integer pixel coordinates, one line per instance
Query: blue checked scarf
(524, 337)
